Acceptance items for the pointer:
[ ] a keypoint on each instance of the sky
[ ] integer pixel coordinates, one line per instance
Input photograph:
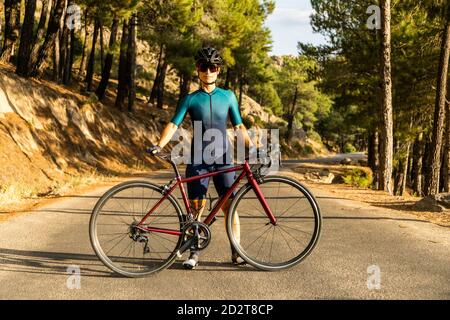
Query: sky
(289, 24)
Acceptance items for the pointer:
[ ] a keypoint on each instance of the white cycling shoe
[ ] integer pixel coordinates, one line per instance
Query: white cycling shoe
(192, 262)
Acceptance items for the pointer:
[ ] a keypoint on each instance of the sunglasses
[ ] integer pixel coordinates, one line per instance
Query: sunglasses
(203, 67)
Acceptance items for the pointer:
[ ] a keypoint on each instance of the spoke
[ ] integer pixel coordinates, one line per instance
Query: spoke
(125, 249)
(289, 208)
(155, 252)
(109, 234)
(298, 230)
(120, 205)
(116, 237)
(295, 213)
(148, 202)
(156, 214)
(287, 242)
(115, 245)
(132, 202)
(248, 233)
(271, 246)
(290, 235)
(256, 239)
(276, 201)
(168, 250)
(160, 236)
(262, 244)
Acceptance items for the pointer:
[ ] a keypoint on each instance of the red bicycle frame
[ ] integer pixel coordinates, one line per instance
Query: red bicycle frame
(246, 171)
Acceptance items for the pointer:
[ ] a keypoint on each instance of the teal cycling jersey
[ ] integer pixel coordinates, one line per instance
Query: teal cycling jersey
(212, 111)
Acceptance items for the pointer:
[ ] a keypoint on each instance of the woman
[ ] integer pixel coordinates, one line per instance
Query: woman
(210, 107)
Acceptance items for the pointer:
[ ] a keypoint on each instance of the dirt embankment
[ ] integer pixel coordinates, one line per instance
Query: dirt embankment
(51, 136)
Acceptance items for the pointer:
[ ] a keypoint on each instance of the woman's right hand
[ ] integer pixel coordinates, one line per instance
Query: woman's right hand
(154, 150)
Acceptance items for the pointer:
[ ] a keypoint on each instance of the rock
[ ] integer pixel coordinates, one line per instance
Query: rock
(346, 161)
(327, 179)
(338, 179)
(435, 203)
(362, 163)
(319, 177)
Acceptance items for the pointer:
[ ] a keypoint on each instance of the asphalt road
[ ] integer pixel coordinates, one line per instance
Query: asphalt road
(337, 158)
(38, 250)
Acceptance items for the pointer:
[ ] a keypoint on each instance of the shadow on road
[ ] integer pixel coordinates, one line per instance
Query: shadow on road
(46, 262)
(56, 263)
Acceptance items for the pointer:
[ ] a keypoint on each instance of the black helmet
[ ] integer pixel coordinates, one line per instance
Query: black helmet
(208, 55)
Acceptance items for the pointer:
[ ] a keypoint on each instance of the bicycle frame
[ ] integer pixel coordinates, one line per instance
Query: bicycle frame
(246, 171)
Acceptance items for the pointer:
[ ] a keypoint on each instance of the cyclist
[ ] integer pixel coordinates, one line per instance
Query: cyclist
(211, 106)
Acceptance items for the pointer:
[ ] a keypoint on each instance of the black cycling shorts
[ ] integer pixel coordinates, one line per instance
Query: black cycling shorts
(197, 189)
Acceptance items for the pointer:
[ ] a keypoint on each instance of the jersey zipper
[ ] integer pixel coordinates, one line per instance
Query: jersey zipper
(210, 111)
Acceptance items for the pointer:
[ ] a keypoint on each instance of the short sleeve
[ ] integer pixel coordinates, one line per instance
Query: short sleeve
(235, 114)
(180, 112)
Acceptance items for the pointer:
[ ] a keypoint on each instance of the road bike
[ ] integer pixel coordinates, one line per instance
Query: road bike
(138, 228)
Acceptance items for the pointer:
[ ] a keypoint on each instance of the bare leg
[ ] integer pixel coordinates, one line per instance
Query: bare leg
(236, 230)
(197, 206)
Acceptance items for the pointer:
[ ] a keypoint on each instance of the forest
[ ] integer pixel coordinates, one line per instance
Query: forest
(378, 85)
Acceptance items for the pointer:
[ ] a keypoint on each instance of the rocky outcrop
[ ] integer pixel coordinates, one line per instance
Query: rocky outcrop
(435, 203)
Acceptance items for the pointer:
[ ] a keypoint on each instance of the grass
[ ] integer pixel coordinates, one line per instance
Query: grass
(358, 177)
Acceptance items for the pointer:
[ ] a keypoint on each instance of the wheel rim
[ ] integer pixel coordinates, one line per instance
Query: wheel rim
(291, 239)
(117, 243)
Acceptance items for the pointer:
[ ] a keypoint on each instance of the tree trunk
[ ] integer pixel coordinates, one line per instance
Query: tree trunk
(227, 79)
(69, 59)
(291, 116)
(12, 28)
(83, 51)
(386, 130)
(185, 85)
(91, 61)
(39, 63)
(417, 178)
(131, 63)
(122, 88)
(401, 172)
(63, 51)
(40, 32)
(26, 39)
(102, 48)
(161, 85)
(153, 93)
(439, 113)
(446, 169)
(106, 73)
(56, 59)
(241, 86)
(372, 150)
(374, 159)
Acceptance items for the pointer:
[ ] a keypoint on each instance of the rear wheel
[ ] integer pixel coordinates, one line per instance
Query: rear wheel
(126, 249)
(297, 230)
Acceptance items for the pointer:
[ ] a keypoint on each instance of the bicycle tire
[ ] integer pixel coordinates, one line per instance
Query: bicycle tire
(259, 220)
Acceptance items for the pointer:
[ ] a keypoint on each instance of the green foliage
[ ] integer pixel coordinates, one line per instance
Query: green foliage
(362, 178)
(349, 148)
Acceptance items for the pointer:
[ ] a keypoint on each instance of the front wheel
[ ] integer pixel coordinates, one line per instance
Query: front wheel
(283, 245)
